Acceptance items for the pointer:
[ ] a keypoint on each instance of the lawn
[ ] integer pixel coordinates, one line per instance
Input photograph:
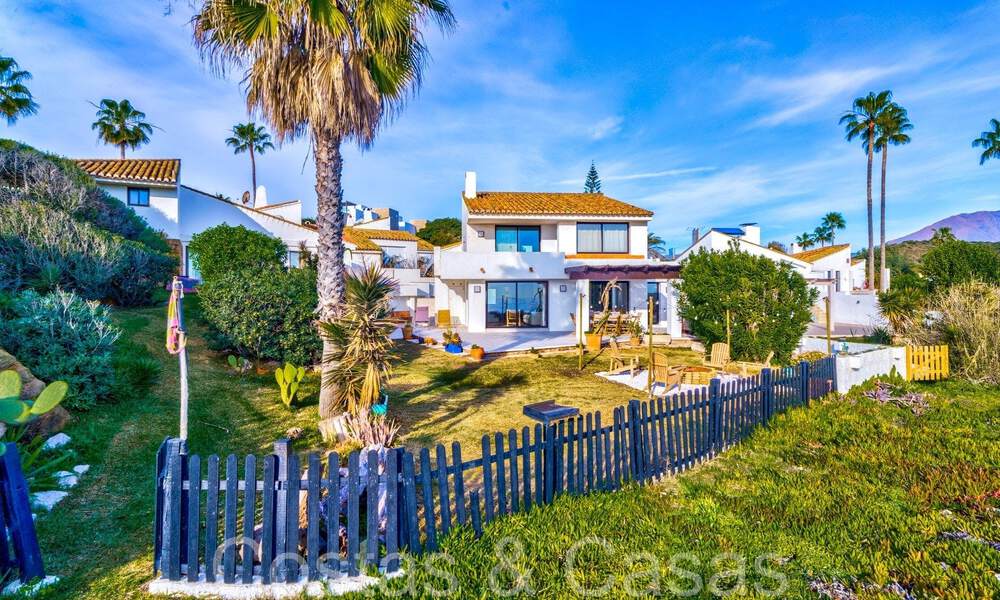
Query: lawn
(838, 491)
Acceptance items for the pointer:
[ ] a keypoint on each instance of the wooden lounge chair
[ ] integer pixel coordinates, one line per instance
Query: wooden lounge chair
(751, 368)
(664, 374)
(620, 363)
(719, 358)
(511, 316)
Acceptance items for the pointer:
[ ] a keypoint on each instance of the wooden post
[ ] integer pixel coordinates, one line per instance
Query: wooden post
(649, 333)
(829, 341)
(729, 334)
(580, 332)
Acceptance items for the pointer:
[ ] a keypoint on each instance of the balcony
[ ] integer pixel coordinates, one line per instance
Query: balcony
(501, 265)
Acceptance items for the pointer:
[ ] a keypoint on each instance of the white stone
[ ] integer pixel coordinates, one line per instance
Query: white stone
(15, 587)
(47, 500)
(57, 441)
(66, 479)
(257, 590)
(81, 469)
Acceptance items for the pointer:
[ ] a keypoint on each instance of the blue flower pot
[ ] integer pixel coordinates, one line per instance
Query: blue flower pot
(453, 348)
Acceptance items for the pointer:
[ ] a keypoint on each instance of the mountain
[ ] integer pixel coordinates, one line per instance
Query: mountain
(982, 226)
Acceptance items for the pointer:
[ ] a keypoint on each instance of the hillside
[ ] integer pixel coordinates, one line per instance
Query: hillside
(982, 226)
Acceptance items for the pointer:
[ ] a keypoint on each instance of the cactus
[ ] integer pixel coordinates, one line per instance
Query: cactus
(14, 411)
(289, 379)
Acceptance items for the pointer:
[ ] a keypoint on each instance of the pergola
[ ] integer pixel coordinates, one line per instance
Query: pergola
(624, 272)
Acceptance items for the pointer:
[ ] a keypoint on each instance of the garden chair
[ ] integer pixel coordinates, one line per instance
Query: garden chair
(719, 358)
(619, 363)
(663, 373)
(511, 318)
(749, 367)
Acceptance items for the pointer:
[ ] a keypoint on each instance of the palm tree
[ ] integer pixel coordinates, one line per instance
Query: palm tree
(833, 221)
(332, 70)
(249, 137)
(120, 124)
(822, 234)
(892, 128)
(990, 141)
(15, 98)
(862, 121)
(655, 242)
(805, 241)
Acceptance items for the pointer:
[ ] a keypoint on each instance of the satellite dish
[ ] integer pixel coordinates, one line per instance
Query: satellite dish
(246, 198)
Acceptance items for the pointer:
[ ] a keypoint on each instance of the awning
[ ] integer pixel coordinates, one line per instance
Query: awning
(647, 271)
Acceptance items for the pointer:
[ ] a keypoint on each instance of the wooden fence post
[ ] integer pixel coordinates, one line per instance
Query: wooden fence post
(804, 380)
(161, 465)
(282, 448)
(714, 402)
(20, 525)
(767, 392)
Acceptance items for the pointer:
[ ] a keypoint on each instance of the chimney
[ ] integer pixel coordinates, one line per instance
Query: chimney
(793, 248)
(260, 198)
(751, 232)
(470, 184)
(695, 236)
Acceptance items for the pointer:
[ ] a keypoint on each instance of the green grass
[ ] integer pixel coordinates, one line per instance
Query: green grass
(838, 490)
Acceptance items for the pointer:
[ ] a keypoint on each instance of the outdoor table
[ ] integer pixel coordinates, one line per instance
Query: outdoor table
(549, 411)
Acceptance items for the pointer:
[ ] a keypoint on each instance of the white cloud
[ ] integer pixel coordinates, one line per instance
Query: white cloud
(606, 127)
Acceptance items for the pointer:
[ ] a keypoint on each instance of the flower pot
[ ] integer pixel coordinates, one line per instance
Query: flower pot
(407, 332)
(453, 348)
(593, 342)
(477, 353)
(636, 341)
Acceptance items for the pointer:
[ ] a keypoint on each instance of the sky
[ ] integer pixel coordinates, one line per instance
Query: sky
(709, 114)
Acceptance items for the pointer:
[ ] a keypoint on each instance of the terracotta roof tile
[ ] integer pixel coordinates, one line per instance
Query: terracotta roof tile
(818, 253)
(551, 203)
(362, 237)
(148, 170)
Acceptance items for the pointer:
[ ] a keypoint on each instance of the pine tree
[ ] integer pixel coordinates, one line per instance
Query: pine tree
(593, 184)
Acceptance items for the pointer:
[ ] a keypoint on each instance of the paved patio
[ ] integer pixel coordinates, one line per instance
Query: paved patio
(506, 341)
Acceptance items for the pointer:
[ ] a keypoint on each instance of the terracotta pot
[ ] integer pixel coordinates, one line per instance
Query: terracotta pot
(407, 332)
(593, 342)
(636, 342)
(477, 353)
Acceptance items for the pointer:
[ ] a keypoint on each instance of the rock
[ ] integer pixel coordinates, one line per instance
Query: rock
(48, 424)
(57, 441)
(81, 469)
(47, 500)
(66, 479)
(29, 589)
(31, 386)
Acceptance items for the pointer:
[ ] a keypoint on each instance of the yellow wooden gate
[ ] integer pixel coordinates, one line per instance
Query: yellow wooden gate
(926, 363)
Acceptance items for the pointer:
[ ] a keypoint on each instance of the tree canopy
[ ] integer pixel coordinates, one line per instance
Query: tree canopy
(593, 183)
(952, 261)
(442, 232)
(769, 304)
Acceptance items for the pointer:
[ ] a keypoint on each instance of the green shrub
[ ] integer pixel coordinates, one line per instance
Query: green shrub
(224, 249)
(61, 336)
(265, 314)
(952, 261)
(46, 247)
(136, 371)
(769, 304)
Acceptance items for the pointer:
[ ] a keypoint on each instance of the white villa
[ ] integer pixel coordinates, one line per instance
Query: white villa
(528, 259)
(153, 189)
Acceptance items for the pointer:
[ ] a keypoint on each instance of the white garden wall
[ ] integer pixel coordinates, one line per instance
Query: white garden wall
(861, 362)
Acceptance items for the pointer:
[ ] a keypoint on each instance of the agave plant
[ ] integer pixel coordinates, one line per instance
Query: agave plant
(361, 350)
(15, 411)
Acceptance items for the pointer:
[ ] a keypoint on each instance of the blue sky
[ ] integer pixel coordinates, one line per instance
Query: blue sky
(710, 113)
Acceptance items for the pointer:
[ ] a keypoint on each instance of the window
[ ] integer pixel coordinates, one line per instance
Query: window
(191, 264)
(602, 238)
(293, 259)
(510, 238)
(617, 297)
(138, 196)
(515, 304)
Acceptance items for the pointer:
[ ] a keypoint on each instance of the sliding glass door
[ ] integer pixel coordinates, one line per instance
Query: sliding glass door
(515, 304)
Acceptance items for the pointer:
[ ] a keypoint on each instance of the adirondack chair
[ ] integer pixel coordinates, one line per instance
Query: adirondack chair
(750, 367)
(664, 374)
(620, 363)
(511, 318)
(719, 357)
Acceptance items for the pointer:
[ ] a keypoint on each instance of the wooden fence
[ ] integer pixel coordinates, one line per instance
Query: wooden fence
(280, 525)
(19, 552)
(926, 363)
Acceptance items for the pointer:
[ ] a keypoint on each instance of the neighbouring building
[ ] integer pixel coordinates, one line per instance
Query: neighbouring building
(379, 218)
(528, 260)
(153, 189)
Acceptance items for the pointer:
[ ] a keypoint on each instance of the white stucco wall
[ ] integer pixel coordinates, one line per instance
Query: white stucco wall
(291, 211)
(162, 212)
(860, 309)
(862, 361)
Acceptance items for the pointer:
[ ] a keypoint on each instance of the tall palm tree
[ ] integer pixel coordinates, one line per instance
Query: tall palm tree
(990, 141)
(334, 70)
(862, 122)
(805, 241)
(822, 234)
(655, 242)
(252, 138)
(15, 98)
(833, 221)
(892, 127)
(120, 124)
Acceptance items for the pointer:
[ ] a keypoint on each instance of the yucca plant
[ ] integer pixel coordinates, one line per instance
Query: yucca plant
(358, 362)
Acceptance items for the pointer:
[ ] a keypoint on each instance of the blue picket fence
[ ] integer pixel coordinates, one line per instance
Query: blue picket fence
(280, 524)
(20, 555)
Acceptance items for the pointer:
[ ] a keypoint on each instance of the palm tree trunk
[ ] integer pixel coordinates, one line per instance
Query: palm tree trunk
(330, 268)
(881, 250)
(871, 226)
(253, 177)
(122, 148)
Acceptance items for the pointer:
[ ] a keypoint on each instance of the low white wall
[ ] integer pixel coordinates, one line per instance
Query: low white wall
(861, 362)
(860, 309)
